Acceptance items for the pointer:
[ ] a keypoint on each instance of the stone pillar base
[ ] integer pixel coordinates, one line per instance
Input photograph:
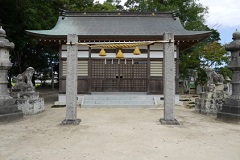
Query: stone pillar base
(230, 111)
(71, 122)
(169, 122)
(228, 116)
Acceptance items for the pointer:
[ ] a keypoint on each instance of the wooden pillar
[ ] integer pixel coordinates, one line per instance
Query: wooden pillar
(148, 68)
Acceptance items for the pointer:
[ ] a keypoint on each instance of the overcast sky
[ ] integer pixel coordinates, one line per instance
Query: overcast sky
(224, 16)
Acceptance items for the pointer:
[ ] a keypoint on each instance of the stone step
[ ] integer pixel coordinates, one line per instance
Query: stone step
(116, 106)
(123, 102)
(118, 101)
(118, 97)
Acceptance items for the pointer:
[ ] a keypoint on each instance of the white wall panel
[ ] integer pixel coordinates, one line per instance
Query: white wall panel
(159, 46)
(113, 55)
(156, 68)
(82, 68)
(81, 54)
(80, 47)
(159, 54)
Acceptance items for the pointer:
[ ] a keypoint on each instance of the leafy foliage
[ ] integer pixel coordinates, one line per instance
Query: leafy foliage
(16, 16)
(213, 54)
(208, 53)
(189, 12)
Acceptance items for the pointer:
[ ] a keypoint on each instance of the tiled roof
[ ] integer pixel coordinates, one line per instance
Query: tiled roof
(113, 24)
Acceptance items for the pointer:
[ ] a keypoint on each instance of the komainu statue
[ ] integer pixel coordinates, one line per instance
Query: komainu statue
(28, 99)
(24, 81)
(214, 77)
(211, 101)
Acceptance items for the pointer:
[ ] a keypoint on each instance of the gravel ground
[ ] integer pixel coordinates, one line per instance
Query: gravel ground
(118, 134)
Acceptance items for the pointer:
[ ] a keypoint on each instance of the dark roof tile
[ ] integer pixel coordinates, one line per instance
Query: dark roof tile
(116, 25)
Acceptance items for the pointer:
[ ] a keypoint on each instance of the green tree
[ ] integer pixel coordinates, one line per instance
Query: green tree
(213, 54)
(204, 55)
(207, 53)
(115, 5)
(106, 6)
(225, 71)
(16, 16)
(189, 12)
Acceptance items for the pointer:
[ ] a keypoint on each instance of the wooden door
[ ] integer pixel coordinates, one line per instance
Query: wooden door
(124, 75)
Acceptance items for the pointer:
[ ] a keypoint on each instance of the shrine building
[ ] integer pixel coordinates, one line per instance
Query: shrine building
(118, 51)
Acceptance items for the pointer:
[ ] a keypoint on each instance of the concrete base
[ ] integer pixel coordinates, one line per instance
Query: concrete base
(169, 122)
(71, 122)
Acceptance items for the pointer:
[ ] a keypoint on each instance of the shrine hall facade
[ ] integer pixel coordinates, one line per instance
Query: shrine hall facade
(100, 69)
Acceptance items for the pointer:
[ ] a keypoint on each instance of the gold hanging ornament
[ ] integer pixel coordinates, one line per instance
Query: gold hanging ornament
(119, 54)
(102, 52)
(136, 51)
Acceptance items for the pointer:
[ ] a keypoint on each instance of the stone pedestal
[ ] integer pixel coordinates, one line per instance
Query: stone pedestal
(8, 107)
(231, 107)
(29, 102)
(211, 102)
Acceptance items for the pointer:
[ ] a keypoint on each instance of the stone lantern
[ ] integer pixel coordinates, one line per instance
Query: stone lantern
(5, 64)
(8, 106)
(231, 107)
